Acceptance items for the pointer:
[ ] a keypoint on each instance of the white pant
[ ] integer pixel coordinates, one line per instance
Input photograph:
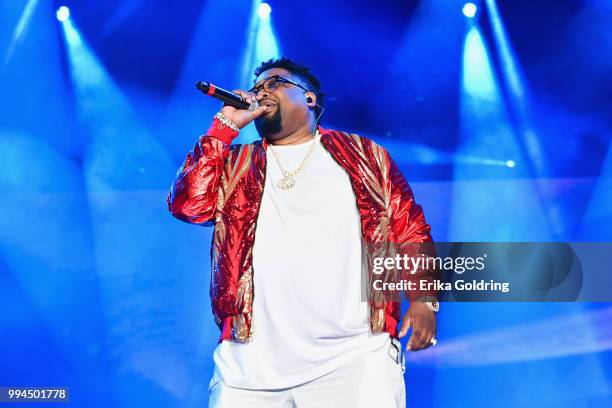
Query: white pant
(375, 380)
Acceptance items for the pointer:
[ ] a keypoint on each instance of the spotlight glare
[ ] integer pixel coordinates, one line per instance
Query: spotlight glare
(63, 13)
(469, 10)
(264, 10)
(510, 163)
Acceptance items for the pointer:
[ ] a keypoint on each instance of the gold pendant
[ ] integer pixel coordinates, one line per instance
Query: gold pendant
(286, 183)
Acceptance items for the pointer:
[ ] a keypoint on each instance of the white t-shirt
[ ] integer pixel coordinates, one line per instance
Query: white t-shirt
(308, 317)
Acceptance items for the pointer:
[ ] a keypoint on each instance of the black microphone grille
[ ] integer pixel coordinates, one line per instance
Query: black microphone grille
(202, 86)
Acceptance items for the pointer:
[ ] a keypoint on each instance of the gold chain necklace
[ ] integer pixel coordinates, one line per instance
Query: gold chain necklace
(287, 182)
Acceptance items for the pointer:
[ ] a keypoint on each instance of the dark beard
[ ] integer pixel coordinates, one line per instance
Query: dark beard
(269, 125)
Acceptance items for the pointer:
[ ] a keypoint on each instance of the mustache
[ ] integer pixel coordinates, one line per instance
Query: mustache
(268, 101)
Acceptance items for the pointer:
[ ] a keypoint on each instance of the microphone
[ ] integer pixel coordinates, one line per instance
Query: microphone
(227, 97)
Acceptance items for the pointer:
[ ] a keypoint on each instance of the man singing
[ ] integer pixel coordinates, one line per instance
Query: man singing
(291, 213)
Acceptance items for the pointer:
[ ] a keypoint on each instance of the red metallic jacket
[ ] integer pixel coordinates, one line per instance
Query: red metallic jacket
(221, 184)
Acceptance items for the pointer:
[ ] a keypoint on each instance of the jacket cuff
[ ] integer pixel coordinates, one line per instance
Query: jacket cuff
(221, 132)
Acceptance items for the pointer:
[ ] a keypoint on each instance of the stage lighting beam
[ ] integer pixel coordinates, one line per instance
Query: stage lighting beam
(63, 13)
(264, 10)
(469, 10)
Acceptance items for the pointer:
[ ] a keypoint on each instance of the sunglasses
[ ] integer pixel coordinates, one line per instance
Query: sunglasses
(272, 83)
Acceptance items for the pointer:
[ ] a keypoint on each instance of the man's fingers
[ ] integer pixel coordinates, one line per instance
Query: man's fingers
(245, 95)
(426, 334)
(425, 339)
(416, 334)
(250, 116)
(423, 332)
(258, 112)
(413, 342)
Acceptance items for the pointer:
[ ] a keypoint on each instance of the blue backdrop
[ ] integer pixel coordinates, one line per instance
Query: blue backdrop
(499, 121)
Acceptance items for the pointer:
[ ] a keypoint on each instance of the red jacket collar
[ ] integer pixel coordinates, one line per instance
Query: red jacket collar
(265, 143)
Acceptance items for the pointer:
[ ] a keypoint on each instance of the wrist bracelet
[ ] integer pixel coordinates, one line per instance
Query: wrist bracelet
(226, 122)
(431, 302)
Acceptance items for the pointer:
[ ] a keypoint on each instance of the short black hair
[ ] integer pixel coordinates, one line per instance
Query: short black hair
(299, 70)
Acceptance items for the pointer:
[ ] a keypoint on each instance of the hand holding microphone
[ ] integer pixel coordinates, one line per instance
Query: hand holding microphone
(240, 107)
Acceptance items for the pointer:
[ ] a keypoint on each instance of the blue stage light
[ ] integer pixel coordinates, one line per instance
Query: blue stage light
(469, 10)
(264, 10)
(63, 13)
(262, 45)
(510, 163)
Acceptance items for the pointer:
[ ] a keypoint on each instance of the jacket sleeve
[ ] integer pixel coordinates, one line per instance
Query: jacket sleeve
(193, 195)
(411, 232)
